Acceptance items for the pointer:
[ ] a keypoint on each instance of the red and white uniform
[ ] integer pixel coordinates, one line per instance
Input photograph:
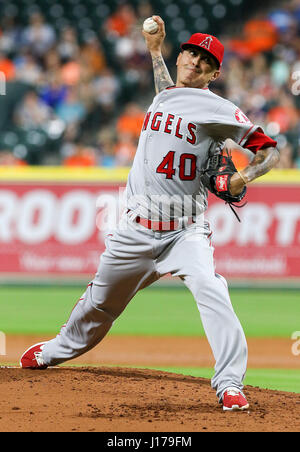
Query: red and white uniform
(182, 129)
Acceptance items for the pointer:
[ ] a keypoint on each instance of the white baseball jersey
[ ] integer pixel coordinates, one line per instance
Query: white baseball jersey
(182, 129)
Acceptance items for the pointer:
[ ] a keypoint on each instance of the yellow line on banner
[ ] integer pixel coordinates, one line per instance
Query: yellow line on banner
(62, 174)
(110, 175)
(280, 177)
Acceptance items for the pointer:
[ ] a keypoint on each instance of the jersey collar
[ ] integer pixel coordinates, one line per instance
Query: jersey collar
(175, 87)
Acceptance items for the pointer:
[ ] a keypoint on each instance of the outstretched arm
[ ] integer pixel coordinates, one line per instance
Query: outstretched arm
(162, 78)
(263, 162)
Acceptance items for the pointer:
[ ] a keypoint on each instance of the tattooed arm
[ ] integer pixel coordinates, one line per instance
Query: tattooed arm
(263, 162)
(162, 78)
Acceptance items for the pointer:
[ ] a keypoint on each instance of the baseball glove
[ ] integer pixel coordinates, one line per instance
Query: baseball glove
(216, 178)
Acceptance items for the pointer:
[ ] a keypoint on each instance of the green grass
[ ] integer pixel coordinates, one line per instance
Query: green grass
(154, 311)
(162, 311)
(277, 379)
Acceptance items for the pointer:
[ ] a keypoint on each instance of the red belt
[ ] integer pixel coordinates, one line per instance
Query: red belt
(162, 225)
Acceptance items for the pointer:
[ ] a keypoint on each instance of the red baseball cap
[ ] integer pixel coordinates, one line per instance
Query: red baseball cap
(207, 42)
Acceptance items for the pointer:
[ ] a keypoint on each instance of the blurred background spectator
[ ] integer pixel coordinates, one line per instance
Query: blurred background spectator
(8, 159)
(131, 121)
(38, 36)
(32, 112)
(80, 155)
(79, 76)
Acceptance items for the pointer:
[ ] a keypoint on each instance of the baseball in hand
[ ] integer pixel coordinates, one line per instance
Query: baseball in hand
(150, 26)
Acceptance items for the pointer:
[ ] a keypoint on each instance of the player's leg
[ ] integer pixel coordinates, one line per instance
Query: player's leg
(223, 330)
(124, 269)
(191, 258)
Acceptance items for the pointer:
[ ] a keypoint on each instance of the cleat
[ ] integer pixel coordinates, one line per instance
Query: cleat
(32, 358)
(234, 400)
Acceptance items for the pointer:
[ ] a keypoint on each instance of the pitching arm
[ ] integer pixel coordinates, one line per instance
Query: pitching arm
(162, 78)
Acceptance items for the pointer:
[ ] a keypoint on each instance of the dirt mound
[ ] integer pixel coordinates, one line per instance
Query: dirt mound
(132, 400)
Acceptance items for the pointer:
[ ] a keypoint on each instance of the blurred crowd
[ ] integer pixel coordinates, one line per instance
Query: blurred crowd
(80, 100)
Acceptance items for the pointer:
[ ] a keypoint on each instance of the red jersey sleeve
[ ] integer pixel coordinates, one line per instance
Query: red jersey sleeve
(258, 140)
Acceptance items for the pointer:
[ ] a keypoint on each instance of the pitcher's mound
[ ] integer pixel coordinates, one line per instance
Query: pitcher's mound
(132, 400)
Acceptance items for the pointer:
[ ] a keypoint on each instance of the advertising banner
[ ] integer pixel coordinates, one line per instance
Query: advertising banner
(266, 244)
(50, 229)
(57, 229)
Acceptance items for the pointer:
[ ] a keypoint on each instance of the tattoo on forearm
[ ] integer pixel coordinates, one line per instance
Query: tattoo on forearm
(162, 78)
(263, 162)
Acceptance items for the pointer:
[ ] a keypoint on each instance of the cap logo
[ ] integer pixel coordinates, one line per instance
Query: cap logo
(206, 42)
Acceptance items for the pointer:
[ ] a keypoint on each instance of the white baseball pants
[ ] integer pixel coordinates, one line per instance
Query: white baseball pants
(134, 258)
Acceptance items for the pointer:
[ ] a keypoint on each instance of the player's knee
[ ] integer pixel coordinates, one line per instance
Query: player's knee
(203, 286)
(106, 306)
(222, 280)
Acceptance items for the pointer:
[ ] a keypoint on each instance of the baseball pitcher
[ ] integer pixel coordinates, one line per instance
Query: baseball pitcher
(183, 151)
